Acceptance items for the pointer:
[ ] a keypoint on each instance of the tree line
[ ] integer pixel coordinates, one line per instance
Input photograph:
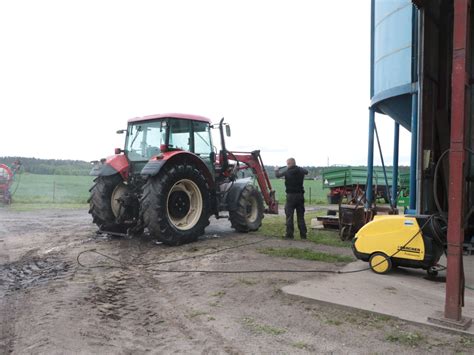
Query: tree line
(49, 166)
(80, 167)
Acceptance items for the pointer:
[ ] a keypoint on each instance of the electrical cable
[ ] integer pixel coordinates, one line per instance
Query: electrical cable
(168, 261)
(127, 265)
(435, 185)
(438, 232)
(435, 181)
(442, 213)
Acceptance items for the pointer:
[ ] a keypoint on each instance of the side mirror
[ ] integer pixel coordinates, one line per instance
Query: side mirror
(121, 131)
(118, 150)
(227, 130)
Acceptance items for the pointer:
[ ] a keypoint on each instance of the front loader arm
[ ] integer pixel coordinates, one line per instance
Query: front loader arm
(253, 160)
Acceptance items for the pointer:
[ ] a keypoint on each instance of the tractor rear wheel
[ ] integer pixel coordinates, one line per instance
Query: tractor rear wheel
(175, 205)
(249, 213)
(104, 205)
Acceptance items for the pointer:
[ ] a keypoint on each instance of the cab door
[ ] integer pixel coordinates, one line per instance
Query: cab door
(202, 144)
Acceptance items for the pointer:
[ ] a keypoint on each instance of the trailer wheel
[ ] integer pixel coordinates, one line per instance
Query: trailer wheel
(249, 214)
(103, 204)
(380, 263)
(175, 205)
(345, 233)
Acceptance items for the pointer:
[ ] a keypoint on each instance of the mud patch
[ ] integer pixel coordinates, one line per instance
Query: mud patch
(110, 299)
(32, 271)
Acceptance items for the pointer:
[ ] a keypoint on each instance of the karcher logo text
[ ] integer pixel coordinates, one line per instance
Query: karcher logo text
(409, 249)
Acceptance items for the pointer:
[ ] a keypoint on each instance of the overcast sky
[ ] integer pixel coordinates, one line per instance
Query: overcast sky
(291, 77)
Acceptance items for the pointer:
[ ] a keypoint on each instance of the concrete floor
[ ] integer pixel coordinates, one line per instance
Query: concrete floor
(402, 293)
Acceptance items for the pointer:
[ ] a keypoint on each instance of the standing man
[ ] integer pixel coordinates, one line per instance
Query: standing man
(294, 176)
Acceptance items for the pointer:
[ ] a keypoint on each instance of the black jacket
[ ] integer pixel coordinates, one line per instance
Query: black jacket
(294, 177)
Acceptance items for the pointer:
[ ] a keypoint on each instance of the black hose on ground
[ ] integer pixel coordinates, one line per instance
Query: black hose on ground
(126, 265)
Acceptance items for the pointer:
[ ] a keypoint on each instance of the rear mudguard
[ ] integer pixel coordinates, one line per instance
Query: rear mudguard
(154, 165)
(231, 192)
(112, 165)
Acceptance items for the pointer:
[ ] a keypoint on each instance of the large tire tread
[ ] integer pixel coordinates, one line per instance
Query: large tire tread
(154, 199)
(238, 218)
(100, 203)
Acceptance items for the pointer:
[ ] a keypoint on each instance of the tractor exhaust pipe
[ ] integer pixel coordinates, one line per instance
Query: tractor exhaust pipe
(225, 160)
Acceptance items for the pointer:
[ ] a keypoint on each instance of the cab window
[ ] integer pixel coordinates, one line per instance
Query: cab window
(144, 140)
(180, 134)
(202, 139)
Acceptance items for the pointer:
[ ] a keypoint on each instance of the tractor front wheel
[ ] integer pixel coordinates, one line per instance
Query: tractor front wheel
(175, 205)
(249, 213)
(104, 204)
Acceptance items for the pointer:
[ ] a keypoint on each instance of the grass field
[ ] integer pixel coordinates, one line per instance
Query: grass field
(51, 189)
(62, 190)
(313, 187)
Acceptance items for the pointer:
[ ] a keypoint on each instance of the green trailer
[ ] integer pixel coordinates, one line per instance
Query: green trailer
(350, 181)
(340, 176)
(403, 199)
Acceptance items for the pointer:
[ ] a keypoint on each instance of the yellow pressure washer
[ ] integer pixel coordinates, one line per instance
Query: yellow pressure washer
(401, 240)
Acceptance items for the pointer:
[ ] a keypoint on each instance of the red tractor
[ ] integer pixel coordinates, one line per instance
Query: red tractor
(169, 180)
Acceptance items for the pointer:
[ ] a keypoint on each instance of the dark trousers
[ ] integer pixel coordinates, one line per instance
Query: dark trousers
(295, 202)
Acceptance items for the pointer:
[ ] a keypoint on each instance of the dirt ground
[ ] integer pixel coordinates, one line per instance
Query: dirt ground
(50, 304)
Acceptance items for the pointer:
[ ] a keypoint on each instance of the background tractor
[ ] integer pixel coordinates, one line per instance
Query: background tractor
(170, 179)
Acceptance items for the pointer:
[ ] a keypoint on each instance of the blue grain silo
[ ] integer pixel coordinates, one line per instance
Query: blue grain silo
(393, 87)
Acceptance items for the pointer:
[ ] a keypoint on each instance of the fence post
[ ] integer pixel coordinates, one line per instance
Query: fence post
(54, 191)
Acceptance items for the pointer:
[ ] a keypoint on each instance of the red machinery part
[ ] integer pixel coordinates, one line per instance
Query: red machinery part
(6, 176)
(119, 163)
(253, 160)
(6, 180)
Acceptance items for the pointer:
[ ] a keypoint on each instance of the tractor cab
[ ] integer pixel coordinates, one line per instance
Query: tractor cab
(152, 137)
